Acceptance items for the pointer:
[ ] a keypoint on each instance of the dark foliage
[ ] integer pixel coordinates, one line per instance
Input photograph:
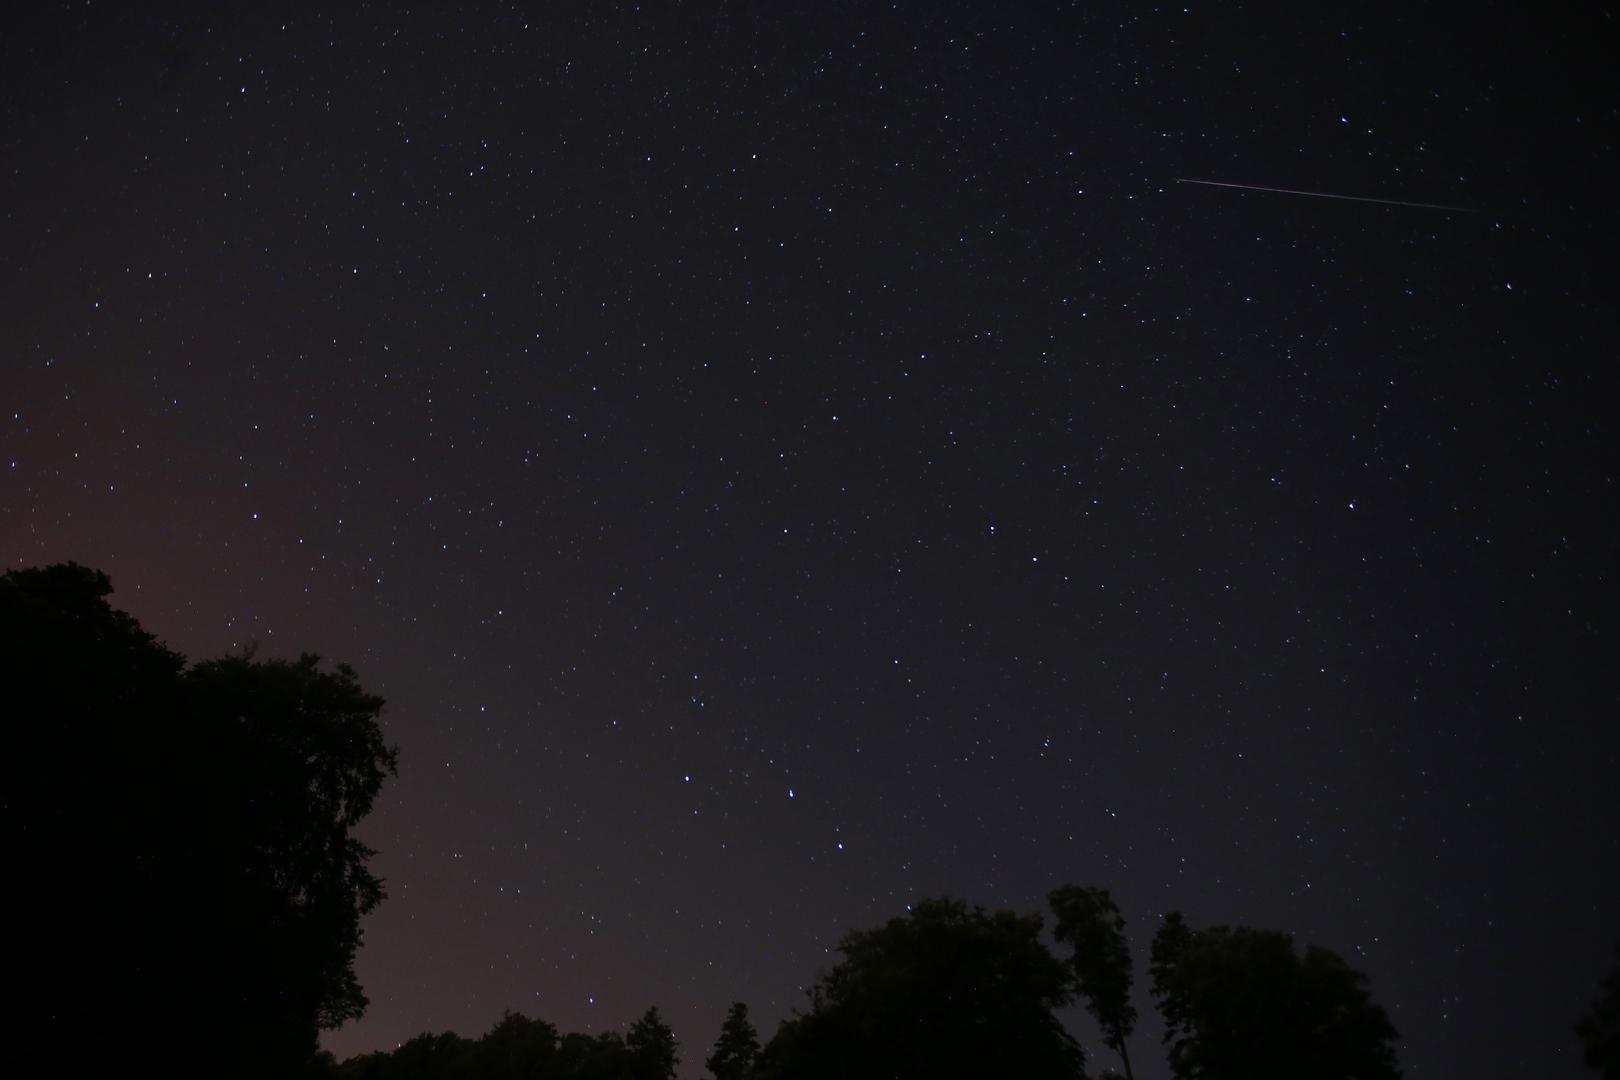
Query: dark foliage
(182, 852)
(652, 1047)
(737, 1048)
(1241, 1004)
(518, 1048)
(185, 835)
(291, 761)
(942, 992)
(1600, 1029)
(1089, 923)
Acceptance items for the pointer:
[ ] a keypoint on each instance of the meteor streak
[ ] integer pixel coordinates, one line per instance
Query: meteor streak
(1329, 195)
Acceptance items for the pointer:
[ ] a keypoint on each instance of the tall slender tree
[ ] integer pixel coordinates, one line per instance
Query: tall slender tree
(1599, 1029)
(1089, 923)
(737, 1047)
(652, 1047)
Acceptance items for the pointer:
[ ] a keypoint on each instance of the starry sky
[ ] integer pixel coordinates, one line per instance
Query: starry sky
(782, 460)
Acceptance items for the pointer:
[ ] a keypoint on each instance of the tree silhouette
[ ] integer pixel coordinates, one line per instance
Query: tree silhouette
(439, 1057)
(737, 1047)
(1089, 922)
(1241, 1003)
(1600, 1029)
(944, 991)
(600, 1057)
(185, 835)
(652, 1047)
(517, 1048)
(295, 761)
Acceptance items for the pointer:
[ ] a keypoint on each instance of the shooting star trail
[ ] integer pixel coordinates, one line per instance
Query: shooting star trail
(1329, 195)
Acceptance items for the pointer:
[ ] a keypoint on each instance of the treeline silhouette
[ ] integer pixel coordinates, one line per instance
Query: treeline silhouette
(952, 991)
(518, 1048)
(187, 898)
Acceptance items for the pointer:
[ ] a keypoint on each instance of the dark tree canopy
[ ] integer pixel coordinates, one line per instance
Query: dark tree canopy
(185, 833)
(945, 991)
(297, 761)
(737, 1048)
(1599, 1029)
(1089, 923)
(652, 1047)
(518, 1048)
(1241, 1004)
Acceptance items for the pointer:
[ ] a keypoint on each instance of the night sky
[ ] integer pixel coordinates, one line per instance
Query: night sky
(783, 460)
